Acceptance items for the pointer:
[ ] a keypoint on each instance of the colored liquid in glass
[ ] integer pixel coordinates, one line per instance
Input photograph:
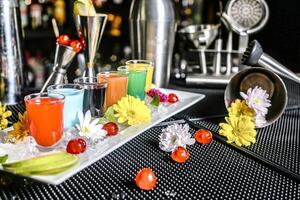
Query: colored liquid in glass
(138, 64)
(94, 100)
(73, 104)
(45, 118)
(136, 83)
(116, 87)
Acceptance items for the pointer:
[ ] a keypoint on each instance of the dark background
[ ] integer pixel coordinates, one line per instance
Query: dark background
(279, 38)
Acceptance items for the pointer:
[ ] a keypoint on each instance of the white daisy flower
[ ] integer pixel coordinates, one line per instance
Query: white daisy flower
(257, 99)
(175, 135)
(90, 128)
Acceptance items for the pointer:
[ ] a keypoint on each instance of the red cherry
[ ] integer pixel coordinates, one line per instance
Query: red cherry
(76, 146)
(145, 179)
(82, 41)
(172, 98)
(180, 154)
(63, 40)
(76, 45)
(111, 128)
(203, 136)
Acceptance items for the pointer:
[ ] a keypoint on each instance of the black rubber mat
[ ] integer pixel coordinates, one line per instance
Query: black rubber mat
(213, 171)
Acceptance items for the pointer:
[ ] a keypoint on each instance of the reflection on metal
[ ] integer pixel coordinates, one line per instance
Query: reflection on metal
(63, 57)
(152, 35)
(90, 28)
(11, 61)
(267, 80)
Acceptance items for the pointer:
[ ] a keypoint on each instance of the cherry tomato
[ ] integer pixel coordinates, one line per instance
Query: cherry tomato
(76, 45)
(145, 179)
(63, 40)
(172, 98)
(203, 136)
(76, 146)
(111, 128)
(180, 154)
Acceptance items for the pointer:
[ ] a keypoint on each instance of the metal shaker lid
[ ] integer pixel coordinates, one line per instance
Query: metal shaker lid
(160, 10)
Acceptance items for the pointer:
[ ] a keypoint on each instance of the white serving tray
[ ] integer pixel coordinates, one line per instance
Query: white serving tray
(186, 99)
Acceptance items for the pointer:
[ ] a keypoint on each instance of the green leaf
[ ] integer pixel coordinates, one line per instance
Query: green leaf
(155, 101)
(3, 158)
(110, 115)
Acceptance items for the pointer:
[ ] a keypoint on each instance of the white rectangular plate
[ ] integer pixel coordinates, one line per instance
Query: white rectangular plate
(186, 99)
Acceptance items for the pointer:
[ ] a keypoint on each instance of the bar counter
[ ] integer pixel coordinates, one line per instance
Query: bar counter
(268, 169)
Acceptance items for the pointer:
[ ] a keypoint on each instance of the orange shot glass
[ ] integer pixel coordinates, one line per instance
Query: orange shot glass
(45, 117)
(116, 86)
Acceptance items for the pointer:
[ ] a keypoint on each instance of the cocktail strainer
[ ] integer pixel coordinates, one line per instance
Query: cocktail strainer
(247, 15)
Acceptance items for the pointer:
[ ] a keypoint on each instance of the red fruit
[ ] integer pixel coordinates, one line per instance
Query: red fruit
(76, 146)
(82, 41)
(63, 40)
(203, 136)
(180, 154)
(172, 98)
(145, 179)
(76, 45)
(111, 128)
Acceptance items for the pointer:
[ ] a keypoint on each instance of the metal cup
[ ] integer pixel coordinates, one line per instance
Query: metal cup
(267, 80)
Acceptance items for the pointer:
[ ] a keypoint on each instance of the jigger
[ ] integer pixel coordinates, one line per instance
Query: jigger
(90, 28)
(267, 80)
(63, 57)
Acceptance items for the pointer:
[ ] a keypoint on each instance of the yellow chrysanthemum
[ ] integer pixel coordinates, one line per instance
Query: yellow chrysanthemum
(4, 114)
(239, 108)
(239, 130)
(132, 110)
(20, 131)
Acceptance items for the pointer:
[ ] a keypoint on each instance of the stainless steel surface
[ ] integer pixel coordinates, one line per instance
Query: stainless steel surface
(152, 34)
(229, 53)
(263, 78)
(269, 63)
(11, 52)
(201, 36)
(218, 57)
(254, 56)
(90, 28)
(204, 80)
(247, 16)
(63, 57)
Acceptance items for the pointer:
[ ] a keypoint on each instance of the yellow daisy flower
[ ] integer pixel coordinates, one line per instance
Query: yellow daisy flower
(239, 130)
(132, 110)
(239, 108)
(4, 114)
(20, 131)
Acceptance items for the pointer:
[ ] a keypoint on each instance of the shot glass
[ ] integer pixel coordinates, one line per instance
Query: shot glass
(94, 95)
(136, 80)
(143, 63)
(45, 117)
(73, 102)
(116, 86)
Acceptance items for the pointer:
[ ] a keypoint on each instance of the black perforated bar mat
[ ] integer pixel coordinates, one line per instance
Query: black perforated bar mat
(212, 172)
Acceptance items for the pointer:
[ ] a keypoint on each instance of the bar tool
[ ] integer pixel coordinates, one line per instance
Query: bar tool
(152, 35)
(203, 80)
(63, 57)
(201, 37)
(11, 52)
(90, 28)
(246, 17)
(218, 47)
(267, 80)
(254, 55)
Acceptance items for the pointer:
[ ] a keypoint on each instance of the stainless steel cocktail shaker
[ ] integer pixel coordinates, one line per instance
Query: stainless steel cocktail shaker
(152, 35)
(11, 55)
